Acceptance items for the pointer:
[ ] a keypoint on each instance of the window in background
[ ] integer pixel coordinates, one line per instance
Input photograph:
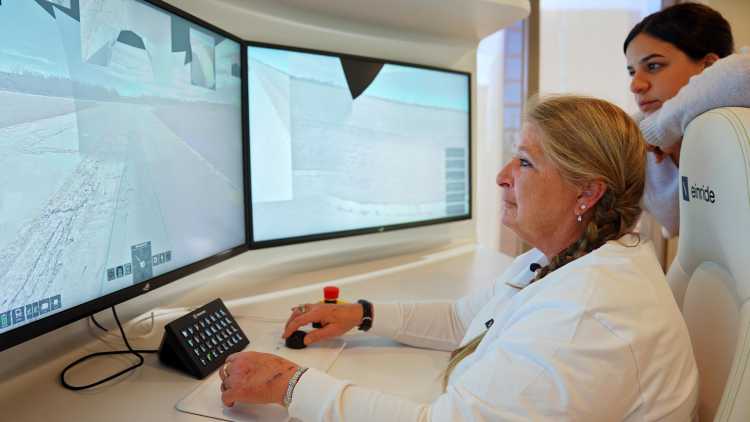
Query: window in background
(488, 142)
(502, 86)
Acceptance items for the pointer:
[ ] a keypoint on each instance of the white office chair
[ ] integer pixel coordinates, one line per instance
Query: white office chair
(710, 276)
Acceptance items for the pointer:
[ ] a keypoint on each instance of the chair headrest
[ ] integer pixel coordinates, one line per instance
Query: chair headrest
(715, 194)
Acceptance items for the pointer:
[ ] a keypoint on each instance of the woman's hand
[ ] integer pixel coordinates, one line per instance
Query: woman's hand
(336, 320)
(256, 378)
(672, 152)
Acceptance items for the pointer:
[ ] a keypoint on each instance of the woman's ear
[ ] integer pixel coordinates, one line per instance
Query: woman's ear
(710, 59)
(590, 193)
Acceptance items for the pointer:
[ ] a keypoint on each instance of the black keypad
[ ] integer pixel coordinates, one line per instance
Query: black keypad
(202, 339)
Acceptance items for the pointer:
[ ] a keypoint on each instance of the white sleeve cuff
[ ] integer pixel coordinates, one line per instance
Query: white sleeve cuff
(387, 319)
(313, 393)
(650, 129)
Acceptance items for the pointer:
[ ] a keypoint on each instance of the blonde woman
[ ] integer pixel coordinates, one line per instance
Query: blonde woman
(583, 327)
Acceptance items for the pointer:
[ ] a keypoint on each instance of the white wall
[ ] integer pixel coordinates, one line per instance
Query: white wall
(737, 12)
(581, 47)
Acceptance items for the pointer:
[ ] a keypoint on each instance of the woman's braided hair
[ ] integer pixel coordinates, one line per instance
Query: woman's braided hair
(587, 139)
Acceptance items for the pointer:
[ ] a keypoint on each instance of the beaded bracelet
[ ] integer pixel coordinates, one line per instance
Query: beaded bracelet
(292, 383)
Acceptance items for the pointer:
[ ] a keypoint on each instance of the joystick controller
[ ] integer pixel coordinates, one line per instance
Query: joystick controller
(296, 340)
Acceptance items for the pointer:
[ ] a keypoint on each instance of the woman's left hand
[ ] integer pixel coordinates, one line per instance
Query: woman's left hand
(672, 151)
(256, 378)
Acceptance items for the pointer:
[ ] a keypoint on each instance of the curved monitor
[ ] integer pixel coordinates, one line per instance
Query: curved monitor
(121, 155)
(343, 145)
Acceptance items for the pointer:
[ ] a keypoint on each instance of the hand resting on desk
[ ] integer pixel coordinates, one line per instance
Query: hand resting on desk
(263, 378)
(255, 378)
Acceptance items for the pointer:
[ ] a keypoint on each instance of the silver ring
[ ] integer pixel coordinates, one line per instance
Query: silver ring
(303, 308)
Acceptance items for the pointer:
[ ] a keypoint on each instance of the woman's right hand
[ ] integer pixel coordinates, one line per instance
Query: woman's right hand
(673, 152)
(336, 320)
(659, 155)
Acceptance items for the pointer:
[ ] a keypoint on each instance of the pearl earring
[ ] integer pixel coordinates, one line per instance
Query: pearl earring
(579, 218)
(583, 207)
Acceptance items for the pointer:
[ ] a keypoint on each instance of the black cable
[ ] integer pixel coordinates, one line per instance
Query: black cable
(93, 319)
(135, 352)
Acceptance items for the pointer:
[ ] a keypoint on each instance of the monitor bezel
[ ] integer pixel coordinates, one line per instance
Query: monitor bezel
(261, 244)
(31, 330)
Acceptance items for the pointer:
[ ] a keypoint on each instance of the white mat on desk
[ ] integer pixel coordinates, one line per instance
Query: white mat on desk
(206, 399)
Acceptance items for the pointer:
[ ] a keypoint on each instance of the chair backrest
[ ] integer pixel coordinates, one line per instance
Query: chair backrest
(710, 276)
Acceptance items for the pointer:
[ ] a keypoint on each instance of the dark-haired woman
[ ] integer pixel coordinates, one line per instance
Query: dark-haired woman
(681, 63)
(589, 332)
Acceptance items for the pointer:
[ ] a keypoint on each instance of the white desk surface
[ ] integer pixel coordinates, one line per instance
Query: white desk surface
(152, 391)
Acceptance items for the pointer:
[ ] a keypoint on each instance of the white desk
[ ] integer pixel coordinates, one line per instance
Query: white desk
(151, 392)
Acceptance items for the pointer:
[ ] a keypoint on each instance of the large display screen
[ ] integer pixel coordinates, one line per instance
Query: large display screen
(340, 143)
(120, 150)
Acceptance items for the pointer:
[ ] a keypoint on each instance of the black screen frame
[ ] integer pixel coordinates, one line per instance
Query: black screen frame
(262, 244)
(23, 333)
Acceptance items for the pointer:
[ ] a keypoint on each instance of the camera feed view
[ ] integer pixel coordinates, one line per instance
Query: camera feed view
(120, 150)
(341, 144)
